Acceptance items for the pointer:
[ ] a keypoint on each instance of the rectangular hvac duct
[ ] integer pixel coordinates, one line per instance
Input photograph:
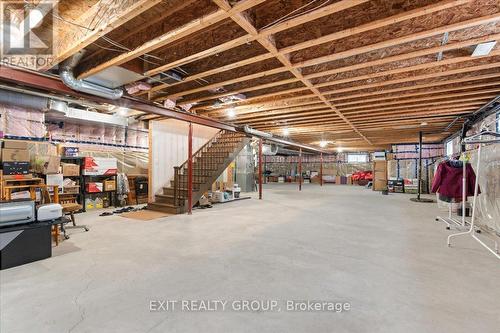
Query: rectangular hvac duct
(79, 116)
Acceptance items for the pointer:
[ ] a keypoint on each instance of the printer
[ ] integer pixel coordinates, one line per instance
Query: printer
(17, 212)
(23, 211)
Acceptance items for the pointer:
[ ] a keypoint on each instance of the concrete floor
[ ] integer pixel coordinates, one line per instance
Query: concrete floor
(384, 255)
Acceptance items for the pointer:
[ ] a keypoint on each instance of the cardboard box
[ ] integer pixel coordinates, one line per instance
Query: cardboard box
(109, 185)
(20, 195)
(69, 169)
(379, 184)
(98, 166)
(55, 179)
(15, 155)
(47, 164)
(14, 144)
(93, 187)
(71, 189)
(16, 168)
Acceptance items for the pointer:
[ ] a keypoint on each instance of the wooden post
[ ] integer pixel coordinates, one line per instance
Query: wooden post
(56, 193)
(321, 170)
(300, 169)
(260, 169)
(190, 169)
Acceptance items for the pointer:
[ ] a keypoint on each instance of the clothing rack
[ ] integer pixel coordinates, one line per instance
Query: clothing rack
(481, 138)
(449, 220)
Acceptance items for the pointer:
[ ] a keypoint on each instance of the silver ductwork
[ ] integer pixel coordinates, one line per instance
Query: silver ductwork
(269, 149)
(13, 98)
(257, 133)
(56, 110)
(85, 117)
(68, 77)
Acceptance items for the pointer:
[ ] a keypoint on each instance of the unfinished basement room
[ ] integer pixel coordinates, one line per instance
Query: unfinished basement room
(249, 166)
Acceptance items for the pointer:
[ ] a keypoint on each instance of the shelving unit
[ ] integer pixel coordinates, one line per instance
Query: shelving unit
(83, 180)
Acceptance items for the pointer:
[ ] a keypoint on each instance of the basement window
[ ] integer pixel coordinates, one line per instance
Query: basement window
(357, 158)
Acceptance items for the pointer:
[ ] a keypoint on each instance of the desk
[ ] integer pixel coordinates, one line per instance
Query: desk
(24, 243)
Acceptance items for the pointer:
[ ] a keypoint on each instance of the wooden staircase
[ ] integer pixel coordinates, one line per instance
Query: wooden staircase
(209, 162)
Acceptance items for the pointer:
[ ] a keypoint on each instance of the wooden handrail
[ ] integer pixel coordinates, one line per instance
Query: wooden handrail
(183, 165)
(203, 167)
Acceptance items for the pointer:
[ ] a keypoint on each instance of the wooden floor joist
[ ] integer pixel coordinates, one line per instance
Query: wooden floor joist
(401, 40)
(309, 109)
(366, 72)
(267, 43)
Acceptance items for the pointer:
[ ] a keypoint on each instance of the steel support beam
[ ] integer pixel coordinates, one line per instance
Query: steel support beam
(300, 169)
(190, 169)
(321, 169)
(260, 169)
(419, 186)
(54, 85)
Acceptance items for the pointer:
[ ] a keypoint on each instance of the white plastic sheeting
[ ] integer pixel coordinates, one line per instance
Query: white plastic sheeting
(22, 122)
(489, 181)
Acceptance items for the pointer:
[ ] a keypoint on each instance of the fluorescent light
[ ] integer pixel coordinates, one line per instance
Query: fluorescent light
(323, 143)
(484, 49)
(286, 132)
(231, 113)
(35, 17)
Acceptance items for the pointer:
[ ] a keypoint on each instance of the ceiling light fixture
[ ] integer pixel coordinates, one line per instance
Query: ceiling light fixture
(483, 49)
(340, 149)
(123, 112)
(231, 113)
(323, 143)
(424, 123)
(286, 132)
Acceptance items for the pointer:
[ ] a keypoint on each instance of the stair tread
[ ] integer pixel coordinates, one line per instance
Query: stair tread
(164, 204)
(180, 189)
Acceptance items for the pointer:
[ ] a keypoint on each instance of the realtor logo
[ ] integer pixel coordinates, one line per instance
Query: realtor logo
(27, 32)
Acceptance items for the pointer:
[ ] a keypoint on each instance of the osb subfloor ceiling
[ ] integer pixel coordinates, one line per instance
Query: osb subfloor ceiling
(359, 74)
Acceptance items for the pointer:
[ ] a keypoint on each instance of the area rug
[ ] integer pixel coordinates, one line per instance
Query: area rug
(144, 215)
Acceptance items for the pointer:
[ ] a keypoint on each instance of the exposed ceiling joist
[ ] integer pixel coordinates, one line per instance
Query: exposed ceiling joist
(74, 38)
(442, 5)
(400, 40)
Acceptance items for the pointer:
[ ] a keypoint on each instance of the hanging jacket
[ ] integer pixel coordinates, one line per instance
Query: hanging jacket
(448, 180)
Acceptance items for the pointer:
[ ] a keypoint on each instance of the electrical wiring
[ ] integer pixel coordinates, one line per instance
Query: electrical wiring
(120, 48)
(310, 10)
(288, 17)
(284, 17)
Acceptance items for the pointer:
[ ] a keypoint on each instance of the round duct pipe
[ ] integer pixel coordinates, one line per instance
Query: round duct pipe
(269, 149)
(68, 77)
(13, 98)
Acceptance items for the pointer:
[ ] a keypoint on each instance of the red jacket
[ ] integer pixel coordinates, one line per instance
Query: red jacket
(448, 180)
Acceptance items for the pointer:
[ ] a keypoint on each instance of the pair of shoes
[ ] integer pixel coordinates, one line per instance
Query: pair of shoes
(125, 210)
(106, 214)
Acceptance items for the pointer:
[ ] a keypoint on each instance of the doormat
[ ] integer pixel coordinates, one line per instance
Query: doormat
(144, 215)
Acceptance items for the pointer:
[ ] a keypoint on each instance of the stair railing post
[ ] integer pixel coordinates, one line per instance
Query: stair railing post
(176, 186)
(190, 169)
(260, 169)
(300, 169)
(321, 169)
